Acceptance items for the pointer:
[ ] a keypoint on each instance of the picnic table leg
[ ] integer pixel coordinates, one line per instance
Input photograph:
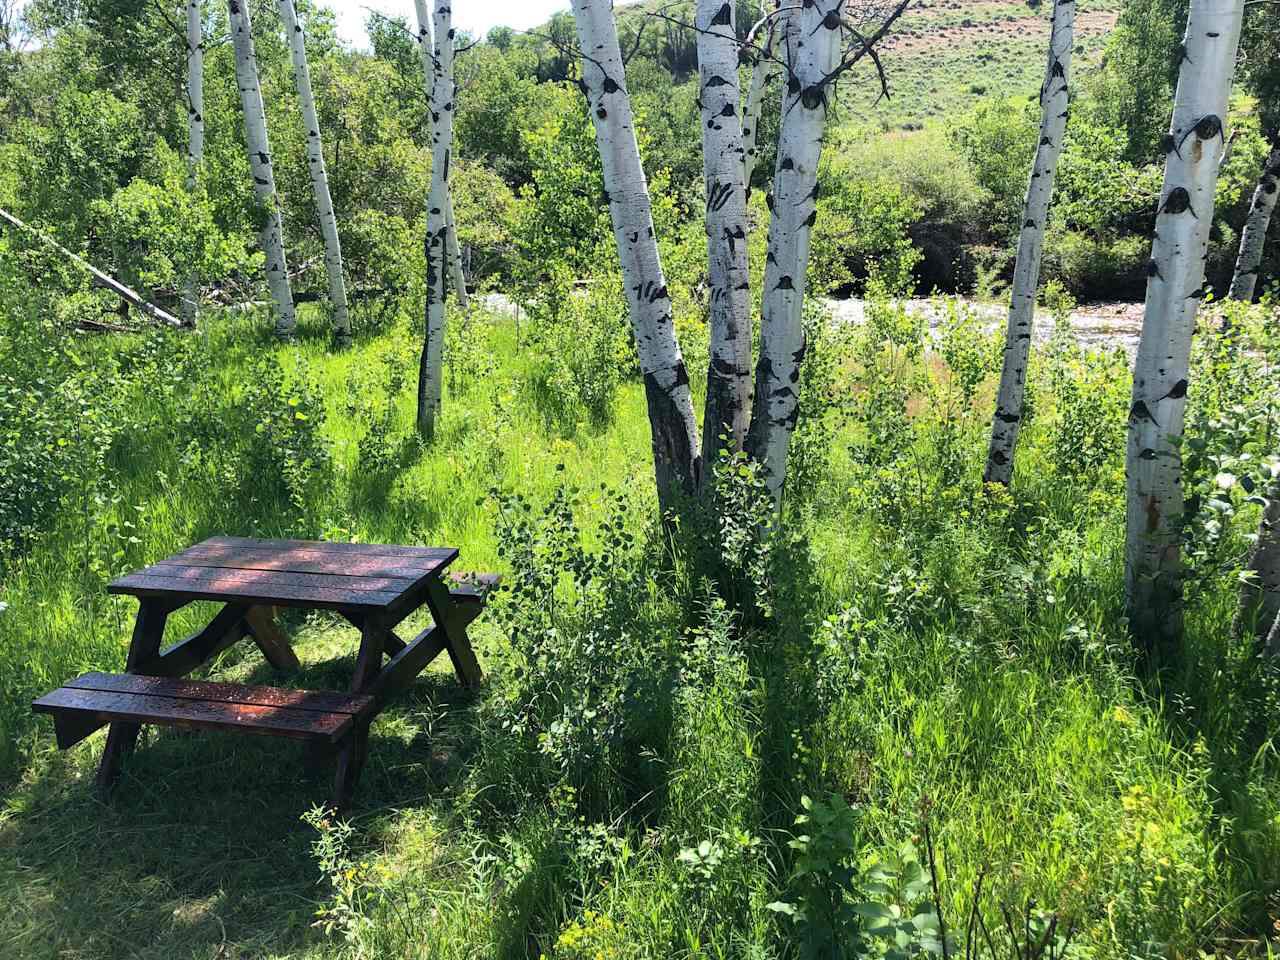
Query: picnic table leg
(458, 646)
(351, 753)
(271, 640)
(148, 630)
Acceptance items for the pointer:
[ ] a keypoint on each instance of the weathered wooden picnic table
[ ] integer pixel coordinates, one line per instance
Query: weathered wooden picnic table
(372, 586)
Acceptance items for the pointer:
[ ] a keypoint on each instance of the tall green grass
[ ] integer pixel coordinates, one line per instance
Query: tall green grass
(627, 783)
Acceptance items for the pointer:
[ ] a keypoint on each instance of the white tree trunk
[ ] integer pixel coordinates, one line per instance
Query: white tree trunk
(1153, 561)
(1054, 97)
(431, 367)
(127, 294)
(763, 72)
(195, 137)
(264, 181)
(1253, 238)
(728, 397)
(677, 464)
(319, 176)
(457, 278)
(813, 55)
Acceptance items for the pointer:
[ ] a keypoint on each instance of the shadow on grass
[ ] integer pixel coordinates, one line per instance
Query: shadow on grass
(201, 851)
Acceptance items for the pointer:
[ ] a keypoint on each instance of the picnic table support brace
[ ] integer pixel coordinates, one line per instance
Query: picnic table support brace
(148, 631)
(351, 754)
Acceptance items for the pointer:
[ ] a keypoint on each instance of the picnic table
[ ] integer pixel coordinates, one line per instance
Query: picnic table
(373, 586)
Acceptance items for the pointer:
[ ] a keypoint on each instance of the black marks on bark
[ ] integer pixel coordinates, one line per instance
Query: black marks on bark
(1147, 454)
(728, 110)
(723, 16)
(1153, 270)
(787, 164)
(718, 195)
(813, 96)
(812, 218)
(1140, 412)
(1177, 391)
(784, 283)
(1004, 416)
(1178, 201)
(610, 85)
(716, 81)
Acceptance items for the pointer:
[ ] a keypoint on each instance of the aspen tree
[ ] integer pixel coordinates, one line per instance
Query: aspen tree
(1175, 282)
(813, 54)
(430, 371)
(1054, 98)
(673, 424)
(271, 230)
(728, 397)
(195, 136)
(319, 176)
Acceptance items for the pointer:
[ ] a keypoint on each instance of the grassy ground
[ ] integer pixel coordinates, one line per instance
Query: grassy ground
(627, 782)
(945, 55)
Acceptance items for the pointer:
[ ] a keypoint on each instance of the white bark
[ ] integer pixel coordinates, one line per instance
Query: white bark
(813, 50)
(1153, 562)
(677, 465)
(195, 136)
(1254, 236)
(457, 278)
(264, 181)
(763, 72)
(430, 373)
(1054, 98)
(319, 176)
(728, 397)
(127, 294)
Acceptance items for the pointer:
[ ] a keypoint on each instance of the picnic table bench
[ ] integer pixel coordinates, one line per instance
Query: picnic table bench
(373, 586)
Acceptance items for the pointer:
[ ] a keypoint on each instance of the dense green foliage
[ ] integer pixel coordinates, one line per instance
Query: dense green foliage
(911, 702)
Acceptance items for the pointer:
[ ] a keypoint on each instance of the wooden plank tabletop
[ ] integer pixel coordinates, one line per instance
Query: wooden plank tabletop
(299, 573)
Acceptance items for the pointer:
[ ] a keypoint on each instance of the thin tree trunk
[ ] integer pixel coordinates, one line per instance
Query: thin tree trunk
(1271, 647)
(1260, 594)
(1054, 98)
(264, 181)
(812, 54)
(763, 72)
(1153, 560)
(457, 278)
(676, 460)
(729, 372)
(195, 139)
(319, 177)
(430, 372)
(1253, 238)
(127, 294)
(456, 275)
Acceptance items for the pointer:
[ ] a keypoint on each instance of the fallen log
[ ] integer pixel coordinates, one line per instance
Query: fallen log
(101, 279)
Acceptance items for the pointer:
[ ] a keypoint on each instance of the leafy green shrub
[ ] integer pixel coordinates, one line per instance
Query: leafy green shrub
(861, 228)
(580, 352)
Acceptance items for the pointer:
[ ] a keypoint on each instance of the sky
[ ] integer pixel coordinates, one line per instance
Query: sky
(474, 16)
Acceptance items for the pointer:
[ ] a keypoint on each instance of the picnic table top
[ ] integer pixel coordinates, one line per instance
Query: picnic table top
(291, 573)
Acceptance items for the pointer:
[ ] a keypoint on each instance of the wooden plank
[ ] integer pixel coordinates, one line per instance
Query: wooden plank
(148, 632)
(224, 589)
(135, 709)
(453, 617)
(404, 667)
(393, 643)
(335, 548)
(316, 701)
(398, 568)
(177, 660)
(195, 573)
(271, 640)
